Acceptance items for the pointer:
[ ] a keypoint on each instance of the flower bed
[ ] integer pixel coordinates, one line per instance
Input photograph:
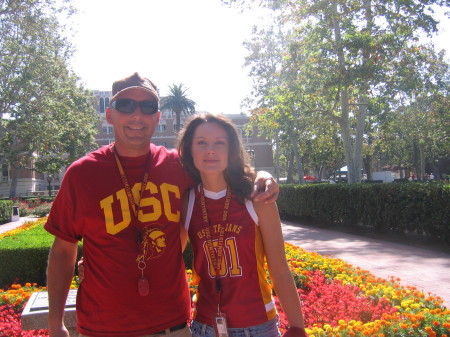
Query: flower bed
(33, 206)
(11, 305)
(338, 300)
(25, 227)
(341, 300)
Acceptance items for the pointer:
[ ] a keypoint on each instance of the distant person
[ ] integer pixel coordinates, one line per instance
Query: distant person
(232, 237)
(124, 201)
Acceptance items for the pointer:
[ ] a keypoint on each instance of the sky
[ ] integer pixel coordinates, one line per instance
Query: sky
(198, 43)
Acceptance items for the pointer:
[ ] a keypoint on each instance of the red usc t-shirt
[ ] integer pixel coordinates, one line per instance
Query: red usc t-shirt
(246, 296)
(92, 206)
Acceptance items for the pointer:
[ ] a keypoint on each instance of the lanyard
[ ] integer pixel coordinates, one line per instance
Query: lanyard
(216, 259)
(143, 284)
(127, 185)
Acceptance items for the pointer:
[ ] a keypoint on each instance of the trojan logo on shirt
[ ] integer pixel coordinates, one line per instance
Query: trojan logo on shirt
(153, 242)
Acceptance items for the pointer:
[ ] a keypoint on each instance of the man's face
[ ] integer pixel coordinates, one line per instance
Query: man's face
(133, 131)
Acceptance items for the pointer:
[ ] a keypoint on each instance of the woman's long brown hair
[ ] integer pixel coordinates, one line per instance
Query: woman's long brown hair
(239, 174)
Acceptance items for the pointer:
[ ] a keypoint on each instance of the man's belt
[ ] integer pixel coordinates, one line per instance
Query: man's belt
(172, 329)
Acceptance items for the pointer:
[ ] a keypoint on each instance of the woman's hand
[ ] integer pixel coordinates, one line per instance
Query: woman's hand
(80, 266)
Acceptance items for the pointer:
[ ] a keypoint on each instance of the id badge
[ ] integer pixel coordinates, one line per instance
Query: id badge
(220, 324)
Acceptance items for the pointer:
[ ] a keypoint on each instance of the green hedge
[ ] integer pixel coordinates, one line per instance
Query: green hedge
(418, 208)
(23, 257)
(188, 256)
(5, 211)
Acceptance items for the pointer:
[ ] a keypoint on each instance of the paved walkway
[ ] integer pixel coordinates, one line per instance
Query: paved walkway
(427, 270)
(11, 225)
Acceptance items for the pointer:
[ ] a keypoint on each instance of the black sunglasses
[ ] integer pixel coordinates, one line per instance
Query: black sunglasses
(128, 106)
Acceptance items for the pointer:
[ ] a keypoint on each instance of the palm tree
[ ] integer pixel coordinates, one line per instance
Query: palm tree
(177, 102)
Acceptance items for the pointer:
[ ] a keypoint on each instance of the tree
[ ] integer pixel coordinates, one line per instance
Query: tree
(178, 102)
(48, 119)
(343, 51)
(323, 150)
(269, 116)
(283, 112)
(421, 107)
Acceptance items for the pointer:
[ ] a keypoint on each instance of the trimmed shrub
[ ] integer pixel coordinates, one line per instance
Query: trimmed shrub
(5, 211)
(39, 207)
(419, 209)
(42, 210)
(188, 256)
(23, 256)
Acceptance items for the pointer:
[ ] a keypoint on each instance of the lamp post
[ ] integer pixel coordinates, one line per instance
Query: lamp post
(49, 179)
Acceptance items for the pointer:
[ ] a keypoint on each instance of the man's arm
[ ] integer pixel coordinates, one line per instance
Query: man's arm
(183, 232)
(61, 262)
(266, 189)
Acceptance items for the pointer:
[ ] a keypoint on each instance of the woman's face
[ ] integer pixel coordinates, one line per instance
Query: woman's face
(210, 147)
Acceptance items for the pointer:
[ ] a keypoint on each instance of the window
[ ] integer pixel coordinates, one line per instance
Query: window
(102, 105)
(161, 127)
(107, 129)
(5, 172)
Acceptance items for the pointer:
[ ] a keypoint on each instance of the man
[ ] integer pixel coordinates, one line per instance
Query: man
(113, 198)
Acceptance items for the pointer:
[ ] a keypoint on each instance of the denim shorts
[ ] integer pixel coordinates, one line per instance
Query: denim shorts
(267, 329)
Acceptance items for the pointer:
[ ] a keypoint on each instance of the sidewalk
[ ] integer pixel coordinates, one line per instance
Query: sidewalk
(11, 225)
(427, 270)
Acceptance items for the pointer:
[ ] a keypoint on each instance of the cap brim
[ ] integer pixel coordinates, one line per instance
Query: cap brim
(147, 90)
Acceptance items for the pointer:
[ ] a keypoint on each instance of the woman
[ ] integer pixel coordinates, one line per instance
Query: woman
(232, 237)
